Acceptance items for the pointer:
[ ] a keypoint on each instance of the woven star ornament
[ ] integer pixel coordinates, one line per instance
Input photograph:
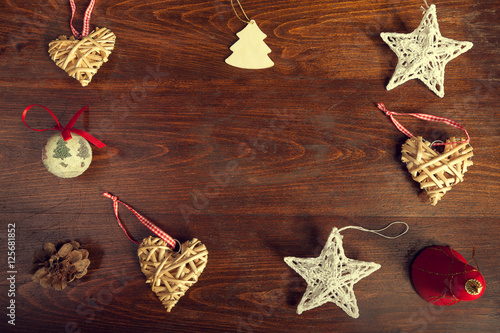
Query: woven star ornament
(423, 54)
(331, 276)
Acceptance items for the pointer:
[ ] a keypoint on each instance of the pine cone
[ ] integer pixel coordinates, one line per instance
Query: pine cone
(58, 264)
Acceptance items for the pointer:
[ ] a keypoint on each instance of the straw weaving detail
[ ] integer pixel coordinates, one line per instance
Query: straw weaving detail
(436, 172)
(170, 274)
(82, 58)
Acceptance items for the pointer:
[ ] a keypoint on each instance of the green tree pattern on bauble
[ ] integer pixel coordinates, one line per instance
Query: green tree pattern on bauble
(83, 151)
(62, 150)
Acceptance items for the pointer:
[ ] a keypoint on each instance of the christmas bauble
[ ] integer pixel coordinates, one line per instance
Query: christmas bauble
(67, 159)
(442, 276)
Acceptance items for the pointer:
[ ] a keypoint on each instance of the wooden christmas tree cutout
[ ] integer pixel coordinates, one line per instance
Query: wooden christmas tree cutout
(250, 51)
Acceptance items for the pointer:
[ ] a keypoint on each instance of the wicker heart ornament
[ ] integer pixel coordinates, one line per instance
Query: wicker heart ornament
(436, 172)
(170, 267)
(81, 58)
(170, 274)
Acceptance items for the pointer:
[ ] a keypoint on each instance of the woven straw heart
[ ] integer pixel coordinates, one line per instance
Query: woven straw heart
(82, 58)
(436, 172)
(170, 274)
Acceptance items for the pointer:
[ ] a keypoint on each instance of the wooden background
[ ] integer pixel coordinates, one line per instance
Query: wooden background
(258, 164)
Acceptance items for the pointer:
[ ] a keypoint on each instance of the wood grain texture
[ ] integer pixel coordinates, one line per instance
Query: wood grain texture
(258, 165)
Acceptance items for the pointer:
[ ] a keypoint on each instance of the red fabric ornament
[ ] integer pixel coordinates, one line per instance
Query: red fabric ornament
(442, 276)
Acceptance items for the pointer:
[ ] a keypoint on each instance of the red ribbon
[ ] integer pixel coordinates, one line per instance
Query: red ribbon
(426, 117)
(86, 19)
(150, 225)
(66, 130)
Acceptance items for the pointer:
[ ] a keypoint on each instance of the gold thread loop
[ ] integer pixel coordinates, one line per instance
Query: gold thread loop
(474, 258)
(242, 10)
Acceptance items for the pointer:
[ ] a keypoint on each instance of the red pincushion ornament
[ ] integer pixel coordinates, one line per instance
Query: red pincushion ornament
(442, 276)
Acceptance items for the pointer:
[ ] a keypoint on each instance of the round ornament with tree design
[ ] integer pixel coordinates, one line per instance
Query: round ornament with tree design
(67, 159)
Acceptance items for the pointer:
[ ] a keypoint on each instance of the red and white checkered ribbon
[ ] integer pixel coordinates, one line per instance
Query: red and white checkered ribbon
(86, 18)
(426, 117)
(160, 233)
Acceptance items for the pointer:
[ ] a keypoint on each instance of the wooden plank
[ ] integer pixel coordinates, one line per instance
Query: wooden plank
(258, 164)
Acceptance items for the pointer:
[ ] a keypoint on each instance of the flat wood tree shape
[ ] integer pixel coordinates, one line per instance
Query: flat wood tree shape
(250, 51)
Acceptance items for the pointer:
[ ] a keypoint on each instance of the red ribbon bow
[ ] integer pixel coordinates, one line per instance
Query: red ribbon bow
(66, 130)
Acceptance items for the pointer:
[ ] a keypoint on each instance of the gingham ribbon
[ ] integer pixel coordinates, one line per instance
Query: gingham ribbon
(66, 130)
(86, 18)
(150, 225)
(426, 117)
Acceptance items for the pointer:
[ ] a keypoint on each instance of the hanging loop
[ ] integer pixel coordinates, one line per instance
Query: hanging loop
(150, 225)
(242, 10)
(86, 19)
(426, 117)
(379, 231)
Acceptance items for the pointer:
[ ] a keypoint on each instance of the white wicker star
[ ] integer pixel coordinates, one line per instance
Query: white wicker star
(331, 276)
(424, 53)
